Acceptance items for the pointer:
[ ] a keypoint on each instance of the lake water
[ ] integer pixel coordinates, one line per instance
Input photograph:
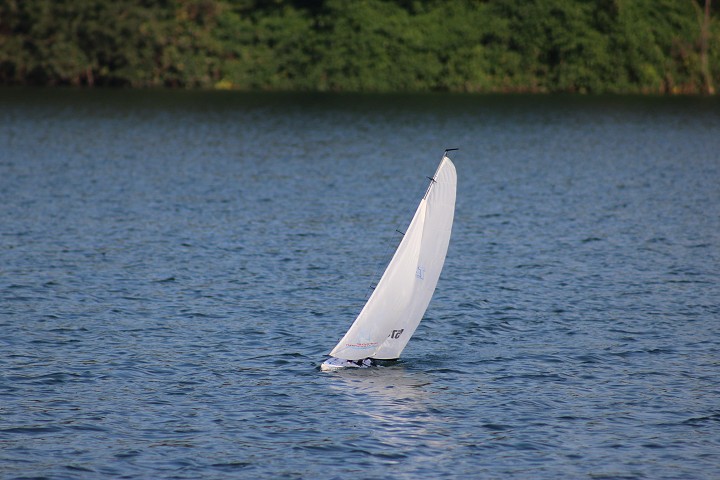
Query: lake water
(174, 266)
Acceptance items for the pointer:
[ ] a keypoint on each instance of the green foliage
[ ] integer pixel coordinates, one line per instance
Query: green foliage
(581, 46)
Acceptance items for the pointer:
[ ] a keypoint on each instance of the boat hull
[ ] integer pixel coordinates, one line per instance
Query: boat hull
(333, 364)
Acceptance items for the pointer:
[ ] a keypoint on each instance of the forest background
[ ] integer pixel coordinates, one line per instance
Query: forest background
(587, 46)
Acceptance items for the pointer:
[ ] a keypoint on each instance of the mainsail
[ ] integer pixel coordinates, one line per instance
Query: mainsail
(398, 303)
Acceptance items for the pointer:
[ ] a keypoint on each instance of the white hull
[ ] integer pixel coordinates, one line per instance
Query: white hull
(332, 364)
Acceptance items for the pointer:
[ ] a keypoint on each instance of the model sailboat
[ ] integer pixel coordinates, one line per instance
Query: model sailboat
(398, 303)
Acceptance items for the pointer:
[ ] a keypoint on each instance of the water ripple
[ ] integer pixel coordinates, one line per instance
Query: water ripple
(174, 266)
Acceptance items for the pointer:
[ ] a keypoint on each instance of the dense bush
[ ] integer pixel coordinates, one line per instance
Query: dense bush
(364, 45)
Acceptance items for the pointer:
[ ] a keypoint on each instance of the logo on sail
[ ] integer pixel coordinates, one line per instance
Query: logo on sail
(396, 333)
(420, 273)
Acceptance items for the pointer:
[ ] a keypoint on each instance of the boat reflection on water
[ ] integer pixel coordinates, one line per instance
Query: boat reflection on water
(399, 402)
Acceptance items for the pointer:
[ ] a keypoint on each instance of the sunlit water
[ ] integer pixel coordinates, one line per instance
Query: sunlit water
(174, 267)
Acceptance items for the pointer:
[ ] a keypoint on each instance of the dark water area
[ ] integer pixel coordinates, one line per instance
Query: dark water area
(174, 266)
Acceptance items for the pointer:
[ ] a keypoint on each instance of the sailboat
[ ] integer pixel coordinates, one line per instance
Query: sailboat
(397, 304)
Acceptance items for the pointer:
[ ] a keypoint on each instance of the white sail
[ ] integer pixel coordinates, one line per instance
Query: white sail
(398, 303)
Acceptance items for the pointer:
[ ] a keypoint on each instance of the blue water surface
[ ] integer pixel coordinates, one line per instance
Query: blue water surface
(174, 266)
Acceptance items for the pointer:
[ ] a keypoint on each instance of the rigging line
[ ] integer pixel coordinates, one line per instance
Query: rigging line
(432, 179)
(432, 182)
(385, 261)
(387, 257)
(390, 250)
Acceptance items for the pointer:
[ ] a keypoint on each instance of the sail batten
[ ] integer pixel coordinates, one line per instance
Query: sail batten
(399, 300)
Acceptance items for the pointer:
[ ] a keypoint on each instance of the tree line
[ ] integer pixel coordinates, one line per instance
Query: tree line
(587, 46)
